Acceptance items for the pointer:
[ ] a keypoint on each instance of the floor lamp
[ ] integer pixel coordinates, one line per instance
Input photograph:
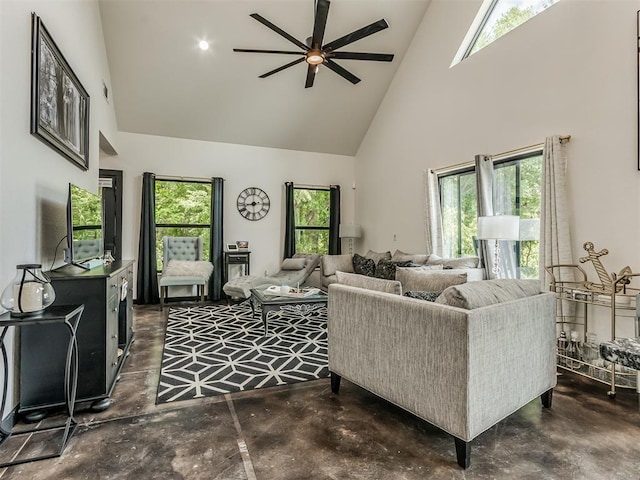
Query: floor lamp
(350, 231)
(498, 227)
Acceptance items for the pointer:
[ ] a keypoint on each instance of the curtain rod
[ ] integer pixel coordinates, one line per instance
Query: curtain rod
(319, 187)
(563, 138)
(537, 146)
(183, 179)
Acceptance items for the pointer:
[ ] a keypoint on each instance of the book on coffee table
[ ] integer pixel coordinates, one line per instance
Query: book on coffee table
(291, 291)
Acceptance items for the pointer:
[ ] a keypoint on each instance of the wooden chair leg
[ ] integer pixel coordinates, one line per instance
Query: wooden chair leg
(201, 290)
(335, 382)
(546, 398)
(163, 292)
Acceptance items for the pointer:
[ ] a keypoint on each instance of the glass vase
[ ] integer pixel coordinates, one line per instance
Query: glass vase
(29, 293)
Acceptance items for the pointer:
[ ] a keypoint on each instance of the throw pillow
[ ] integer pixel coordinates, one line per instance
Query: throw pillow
(427, 296)
(332, 263)
(293, 264)
(363, 266)
(387, 269)
(377, 256)
(415, 258)
(428, 281)
(188, 268)
(370, 283)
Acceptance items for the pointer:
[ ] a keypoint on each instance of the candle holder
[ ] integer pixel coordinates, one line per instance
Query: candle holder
(29, 293)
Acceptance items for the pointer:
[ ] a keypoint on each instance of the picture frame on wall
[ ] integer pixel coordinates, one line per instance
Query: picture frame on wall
(59, 102)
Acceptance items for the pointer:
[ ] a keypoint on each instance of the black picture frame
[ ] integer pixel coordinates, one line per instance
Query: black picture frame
(59, 102)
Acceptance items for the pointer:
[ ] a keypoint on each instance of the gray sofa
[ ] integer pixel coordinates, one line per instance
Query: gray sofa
(330, 264)
(463, 363)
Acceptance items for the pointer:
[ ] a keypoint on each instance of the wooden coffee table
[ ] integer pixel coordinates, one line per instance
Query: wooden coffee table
(271, 303)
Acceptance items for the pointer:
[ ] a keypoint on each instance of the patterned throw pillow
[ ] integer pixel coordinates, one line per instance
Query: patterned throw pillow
(427, 296)
(387, 269)
(363, 266)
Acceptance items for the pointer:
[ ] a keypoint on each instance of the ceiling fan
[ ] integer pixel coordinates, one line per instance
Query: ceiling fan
(314, 53)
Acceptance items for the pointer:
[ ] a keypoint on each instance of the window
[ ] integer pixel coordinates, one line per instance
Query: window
(311, 207)
(517, 191)
(183, 209)
(494, 19)
(517, 184)
(459, 204)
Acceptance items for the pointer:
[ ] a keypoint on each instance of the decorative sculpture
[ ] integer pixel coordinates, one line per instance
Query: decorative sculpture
(607, 285)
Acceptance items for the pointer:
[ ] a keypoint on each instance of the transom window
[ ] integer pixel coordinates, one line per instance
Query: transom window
(496, 18)
(312, 214)
(183, 209)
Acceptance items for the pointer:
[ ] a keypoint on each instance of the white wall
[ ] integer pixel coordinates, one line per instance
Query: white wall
(33, 177)
(569, 70)
(241, 167)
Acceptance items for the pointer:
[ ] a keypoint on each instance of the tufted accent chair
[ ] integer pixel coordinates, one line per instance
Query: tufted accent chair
(182, 249)
(90, 248)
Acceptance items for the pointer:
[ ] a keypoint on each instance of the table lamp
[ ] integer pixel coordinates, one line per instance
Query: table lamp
(498, 227)
(350, 231)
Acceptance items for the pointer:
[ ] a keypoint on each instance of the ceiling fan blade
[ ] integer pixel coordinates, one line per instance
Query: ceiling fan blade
(357, 35)
(279, 31)
(341, 71)
(374, 57)
(311, 75)
(253, 50)
(319, 24)
(279, 69)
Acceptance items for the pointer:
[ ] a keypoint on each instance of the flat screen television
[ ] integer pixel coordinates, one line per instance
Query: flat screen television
(84, 227)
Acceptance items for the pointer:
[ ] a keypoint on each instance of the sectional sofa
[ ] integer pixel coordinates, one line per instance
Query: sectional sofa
(387, 266)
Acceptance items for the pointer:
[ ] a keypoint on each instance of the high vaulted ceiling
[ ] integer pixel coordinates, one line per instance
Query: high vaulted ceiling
(163, 84)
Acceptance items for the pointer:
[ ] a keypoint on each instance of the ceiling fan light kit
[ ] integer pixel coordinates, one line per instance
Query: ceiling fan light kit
(314, 53)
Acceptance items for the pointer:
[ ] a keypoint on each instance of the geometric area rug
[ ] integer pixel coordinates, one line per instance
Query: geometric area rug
(217, 349)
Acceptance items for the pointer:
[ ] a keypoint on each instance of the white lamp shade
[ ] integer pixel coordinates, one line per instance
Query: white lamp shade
(499, 227)
(350, 231)
(529, 229)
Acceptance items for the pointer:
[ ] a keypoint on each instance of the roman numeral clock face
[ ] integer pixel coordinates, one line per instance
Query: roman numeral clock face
(253, 203)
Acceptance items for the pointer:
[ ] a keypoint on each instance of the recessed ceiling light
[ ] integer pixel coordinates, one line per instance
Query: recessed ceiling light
(204, 45)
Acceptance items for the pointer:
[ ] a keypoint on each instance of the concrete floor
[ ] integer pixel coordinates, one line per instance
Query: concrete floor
(304, 432)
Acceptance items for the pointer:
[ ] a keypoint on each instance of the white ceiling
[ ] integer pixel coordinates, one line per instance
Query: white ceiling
(163, 84)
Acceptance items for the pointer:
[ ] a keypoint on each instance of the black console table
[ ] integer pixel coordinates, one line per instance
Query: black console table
(69, 318)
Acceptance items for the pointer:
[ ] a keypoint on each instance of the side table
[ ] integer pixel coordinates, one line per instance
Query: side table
(69, 316)
(236, 257)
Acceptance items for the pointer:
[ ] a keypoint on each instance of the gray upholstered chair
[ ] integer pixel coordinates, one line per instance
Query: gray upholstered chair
(182, 265)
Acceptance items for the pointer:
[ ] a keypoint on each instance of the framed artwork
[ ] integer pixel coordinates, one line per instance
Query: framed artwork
(232, 246)
(638, 79)
(59, 102)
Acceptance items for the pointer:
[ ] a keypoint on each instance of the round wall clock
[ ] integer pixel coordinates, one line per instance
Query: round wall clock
(253, 203)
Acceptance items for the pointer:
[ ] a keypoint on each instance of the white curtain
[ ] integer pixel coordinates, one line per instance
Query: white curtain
(432, 213)
(555, 237)
(486, 189)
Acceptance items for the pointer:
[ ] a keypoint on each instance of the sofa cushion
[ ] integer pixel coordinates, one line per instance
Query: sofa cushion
(387, 268)
(293, 264)
(427, 296)
(188, 268)
(416, 258)
(363, 266)
(428, 281)
(462, 262)
(370, 283)
(332, 263)
(488, 292)
(377, 256)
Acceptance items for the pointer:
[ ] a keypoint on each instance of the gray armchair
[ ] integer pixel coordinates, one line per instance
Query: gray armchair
(182, 265)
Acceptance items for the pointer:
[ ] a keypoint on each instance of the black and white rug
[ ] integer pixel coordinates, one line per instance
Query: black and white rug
(217, 349)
